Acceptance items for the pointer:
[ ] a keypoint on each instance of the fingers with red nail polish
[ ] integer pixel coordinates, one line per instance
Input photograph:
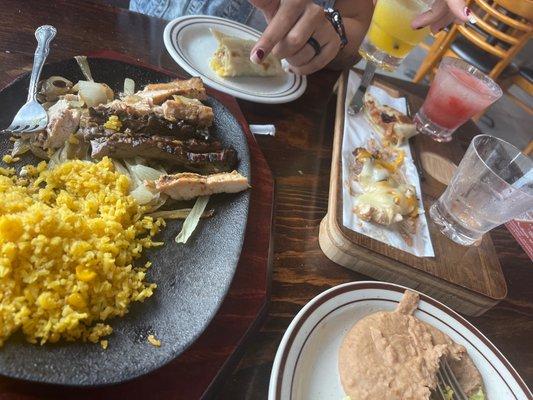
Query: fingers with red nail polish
(257, 56)
(442, 13)
(469, 15)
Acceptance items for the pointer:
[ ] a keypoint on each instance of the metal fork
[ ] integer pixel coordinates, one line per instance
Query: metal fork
(32, 116)
(356, 103)
(447, 379)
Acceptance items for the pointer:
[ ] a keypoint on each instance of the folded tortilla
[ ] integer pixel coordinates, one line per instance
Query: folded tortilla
(232, 58)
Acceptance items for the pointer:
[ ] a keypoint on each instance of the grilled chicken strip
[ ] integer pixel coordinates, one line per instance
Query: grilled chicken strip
(138, 108)
(159, 92)
(187, 186)
(190, 110)
(62, 122)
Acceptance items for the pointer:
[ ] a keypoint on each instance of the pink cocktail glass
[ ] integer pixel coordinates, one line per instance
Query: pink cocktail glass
(458, 92)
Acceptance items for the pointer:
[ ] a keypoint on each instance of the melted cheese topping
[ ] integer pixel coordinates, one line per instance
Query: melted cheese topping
(392, 202)
(384, 200)
(372, 173)
(219, 63)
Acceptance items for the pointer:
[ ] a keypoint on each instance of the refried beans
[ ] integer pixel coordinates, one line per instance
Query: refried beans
(394, 355)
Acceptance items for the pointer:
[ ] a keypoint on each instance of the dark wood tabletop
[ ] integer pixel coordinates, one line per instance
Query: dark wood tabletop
(299, 157)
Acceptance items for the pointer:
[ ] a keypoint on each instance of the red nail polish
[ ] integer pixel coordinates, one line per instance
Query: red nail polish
(260, 53)
(470, 15)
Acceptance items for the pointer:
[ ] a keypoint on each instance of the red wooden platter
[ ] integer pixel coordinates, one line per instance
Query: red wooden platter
(196, 373)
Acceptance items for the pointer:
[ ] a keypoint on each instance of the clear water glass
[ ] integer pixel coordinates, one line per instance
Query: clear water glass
(492, 185)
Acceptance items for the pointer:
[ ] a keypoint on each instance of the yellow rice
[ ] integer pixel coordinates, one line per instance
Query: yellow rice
(154, 341)
(68, 239)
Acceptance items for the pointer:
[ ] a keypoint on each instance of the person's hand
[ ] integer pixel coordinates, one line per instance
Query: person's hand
(290, 25)
(443, 13)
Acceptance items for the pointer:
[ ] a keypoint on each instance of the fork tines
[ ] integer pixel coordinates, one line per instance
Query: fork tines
(447, 380)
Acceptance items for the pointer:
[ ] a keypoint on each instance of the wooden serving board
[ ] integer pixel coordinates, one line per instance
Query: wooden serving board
(468, 279)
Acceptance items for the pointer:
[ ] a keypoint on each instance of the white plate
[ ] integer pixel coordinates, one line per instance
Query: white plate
(191, 45)
(305, 367)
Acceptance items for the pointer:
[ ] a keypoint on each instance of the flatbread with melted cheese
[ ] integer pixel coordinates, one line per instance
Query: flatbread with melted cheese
(385, 199)
(392, 126)
(232, 58)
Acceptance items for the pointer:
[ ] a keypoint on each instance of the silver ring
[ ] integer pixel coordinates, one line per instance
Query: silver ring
(334, 16)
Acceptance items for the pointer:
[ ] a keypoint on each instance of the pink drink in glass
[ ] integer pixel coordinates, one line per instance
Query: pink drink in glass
(458, 92)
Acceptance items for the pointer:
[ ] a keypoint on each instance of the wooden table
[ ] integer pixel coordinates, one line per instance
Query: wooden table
(299, 156)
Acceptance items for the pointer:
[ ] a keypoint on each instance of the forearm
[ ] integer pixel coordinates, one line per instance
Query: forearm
(356, 18)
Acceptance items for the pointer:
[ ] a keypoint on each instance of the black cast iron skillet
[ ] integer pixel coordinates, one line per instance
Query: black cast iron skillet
(192, 279)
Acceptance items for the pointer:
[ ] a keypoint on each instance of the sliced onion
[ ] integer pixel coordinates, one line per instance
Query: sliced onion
(191, 222)
(179, 214)
(108, 91)
(186, 100)
(121, 169)
(129, 87)
(84, 66)
(92, 93)
(54, 160)
(59, 157)
(144, 173)
(146, 196)
(142, 195)
(143, 189)
(20, 146)
(54, 87)
(156, 204)
(140, 172)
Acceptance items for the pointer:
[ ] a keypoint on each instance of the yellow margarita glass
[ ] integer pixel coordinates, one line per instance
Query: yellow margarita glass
(390, 36)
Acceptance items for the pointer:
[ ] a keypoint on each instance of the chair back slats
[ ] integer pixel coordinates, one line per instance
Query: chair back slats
(493, 31)
(480, 41)
(506, 19)
(523, 8)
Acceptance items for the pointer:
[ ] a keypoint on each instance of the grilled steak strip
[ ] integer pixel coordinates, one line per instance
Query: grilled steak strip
(193, 155)
(91, 125)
